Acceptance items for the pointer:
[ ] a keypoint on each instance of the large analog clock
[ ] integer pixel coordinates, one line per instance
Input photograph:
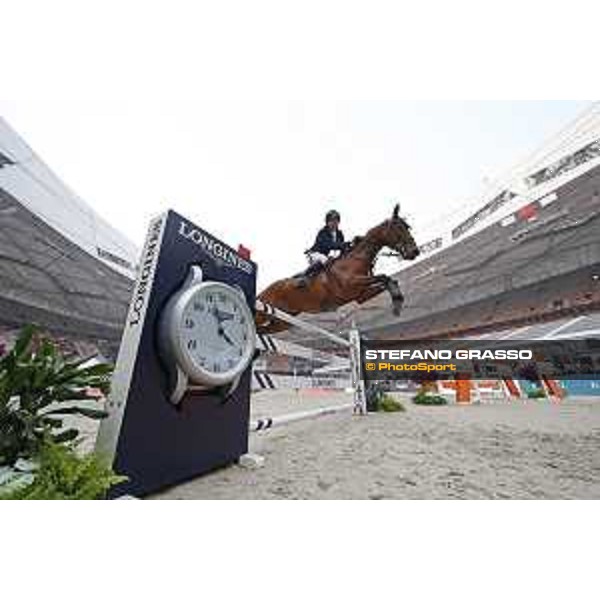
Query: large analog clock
(206, 335)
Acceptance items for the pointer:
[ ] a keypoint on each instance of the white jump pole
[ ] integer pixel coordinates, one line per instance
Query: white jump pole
(269, 422)
(360, 400)
(283, 316)
(270, 345)
(360, 396)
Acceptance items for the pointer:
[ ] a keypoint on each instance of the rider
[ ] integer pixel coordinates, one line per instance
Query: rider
(330, 239)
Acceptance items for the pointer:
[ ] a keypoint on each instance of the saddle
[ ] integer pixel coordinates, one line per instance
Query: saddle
(312, 271)
(304, 277)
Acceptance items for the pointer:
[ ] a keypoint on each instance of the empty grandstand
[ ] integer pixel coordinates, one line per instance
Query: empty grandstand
(527, 251)
(541, 262)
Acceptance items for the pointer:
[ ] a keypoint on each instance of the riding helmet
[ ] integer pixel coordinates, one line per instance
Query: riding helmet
(331, 215)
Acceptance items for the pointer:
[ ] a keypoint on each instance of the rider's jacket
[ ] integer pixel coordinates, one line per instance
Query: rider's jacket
(328, 240)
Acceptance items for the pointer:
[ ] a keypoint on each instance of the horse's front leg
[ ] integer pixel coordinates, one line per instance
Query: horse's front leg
(375, 284)
(370, 292)
(392, 286)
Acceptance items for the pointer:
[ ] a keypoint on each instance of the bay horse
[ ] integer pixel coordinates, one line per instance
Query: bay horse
(345, 279)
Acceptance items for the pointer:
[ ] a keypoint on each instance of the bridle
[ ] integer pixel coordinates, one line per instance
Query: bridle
(400, 248)
(372, 245)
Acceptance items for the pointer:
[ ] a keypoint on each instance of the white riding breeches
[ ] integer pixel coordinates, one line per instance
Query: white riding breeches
(316, 257)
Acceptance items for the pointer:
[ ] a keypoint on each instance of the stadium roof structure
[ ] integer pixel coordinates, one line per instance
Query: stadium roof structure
(61, 265)
(527, 248)
(573, 151)
(532, 236)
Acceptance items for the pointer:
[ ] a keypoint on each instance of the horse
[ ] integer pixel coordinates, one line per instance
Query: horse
(345, 279)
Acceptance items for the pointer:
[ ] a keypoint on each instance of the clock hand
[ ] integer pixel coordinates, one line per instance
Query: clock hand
(222, 316)
(215, 314)
(223, 334)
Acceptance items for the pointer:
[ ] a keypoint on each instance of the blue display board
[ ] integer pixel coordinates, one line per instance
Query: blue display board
(151, 441)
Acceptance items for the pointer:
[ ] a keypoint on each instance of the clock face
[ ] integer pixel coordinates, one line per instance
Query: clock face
(216, 332)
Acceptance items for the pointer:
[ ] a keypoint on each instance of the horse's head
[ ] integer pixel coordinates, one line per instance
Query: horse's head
(395, 234)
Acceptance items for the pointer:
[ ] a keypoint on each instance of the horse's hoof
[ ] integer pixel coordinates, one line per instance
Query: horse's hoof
(397, 310)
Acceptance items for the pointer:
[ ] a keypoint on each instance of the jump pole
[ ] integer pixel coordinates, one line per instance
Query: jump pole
(353, 344)
(268, 422)
(270, 345)
(283, 316)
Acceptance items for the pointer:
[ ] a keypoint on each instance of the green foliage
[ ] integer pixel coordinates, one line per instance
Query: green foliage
(389, 404)
(38, 387)
(536, 393)
(424, 399)
(379, 401)
(64, 475)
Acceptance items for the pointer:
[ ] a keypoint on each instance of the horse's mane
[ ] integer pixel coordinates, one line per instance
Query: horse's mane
(357, 239)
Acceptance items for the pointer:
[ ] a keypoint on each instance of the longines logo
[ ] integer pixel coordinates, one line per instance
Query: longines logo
(146, 270)
(223, 255)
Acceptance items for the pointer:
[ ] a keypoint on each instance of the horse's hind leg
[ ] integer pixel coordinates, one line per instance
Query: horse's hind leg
(271, 327)
(267, 324)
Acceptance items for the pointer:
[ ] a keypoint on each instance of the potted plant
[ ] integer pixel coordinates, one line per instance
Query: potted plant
(63, 474)
(38, 388)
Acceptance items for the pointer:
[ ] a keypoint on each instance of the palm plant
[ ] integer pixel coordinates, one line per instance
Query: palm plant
(38, 388)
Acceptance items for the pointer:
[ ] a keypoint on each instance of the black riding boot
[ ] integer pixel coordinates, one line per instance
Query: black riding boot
(305, 277)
